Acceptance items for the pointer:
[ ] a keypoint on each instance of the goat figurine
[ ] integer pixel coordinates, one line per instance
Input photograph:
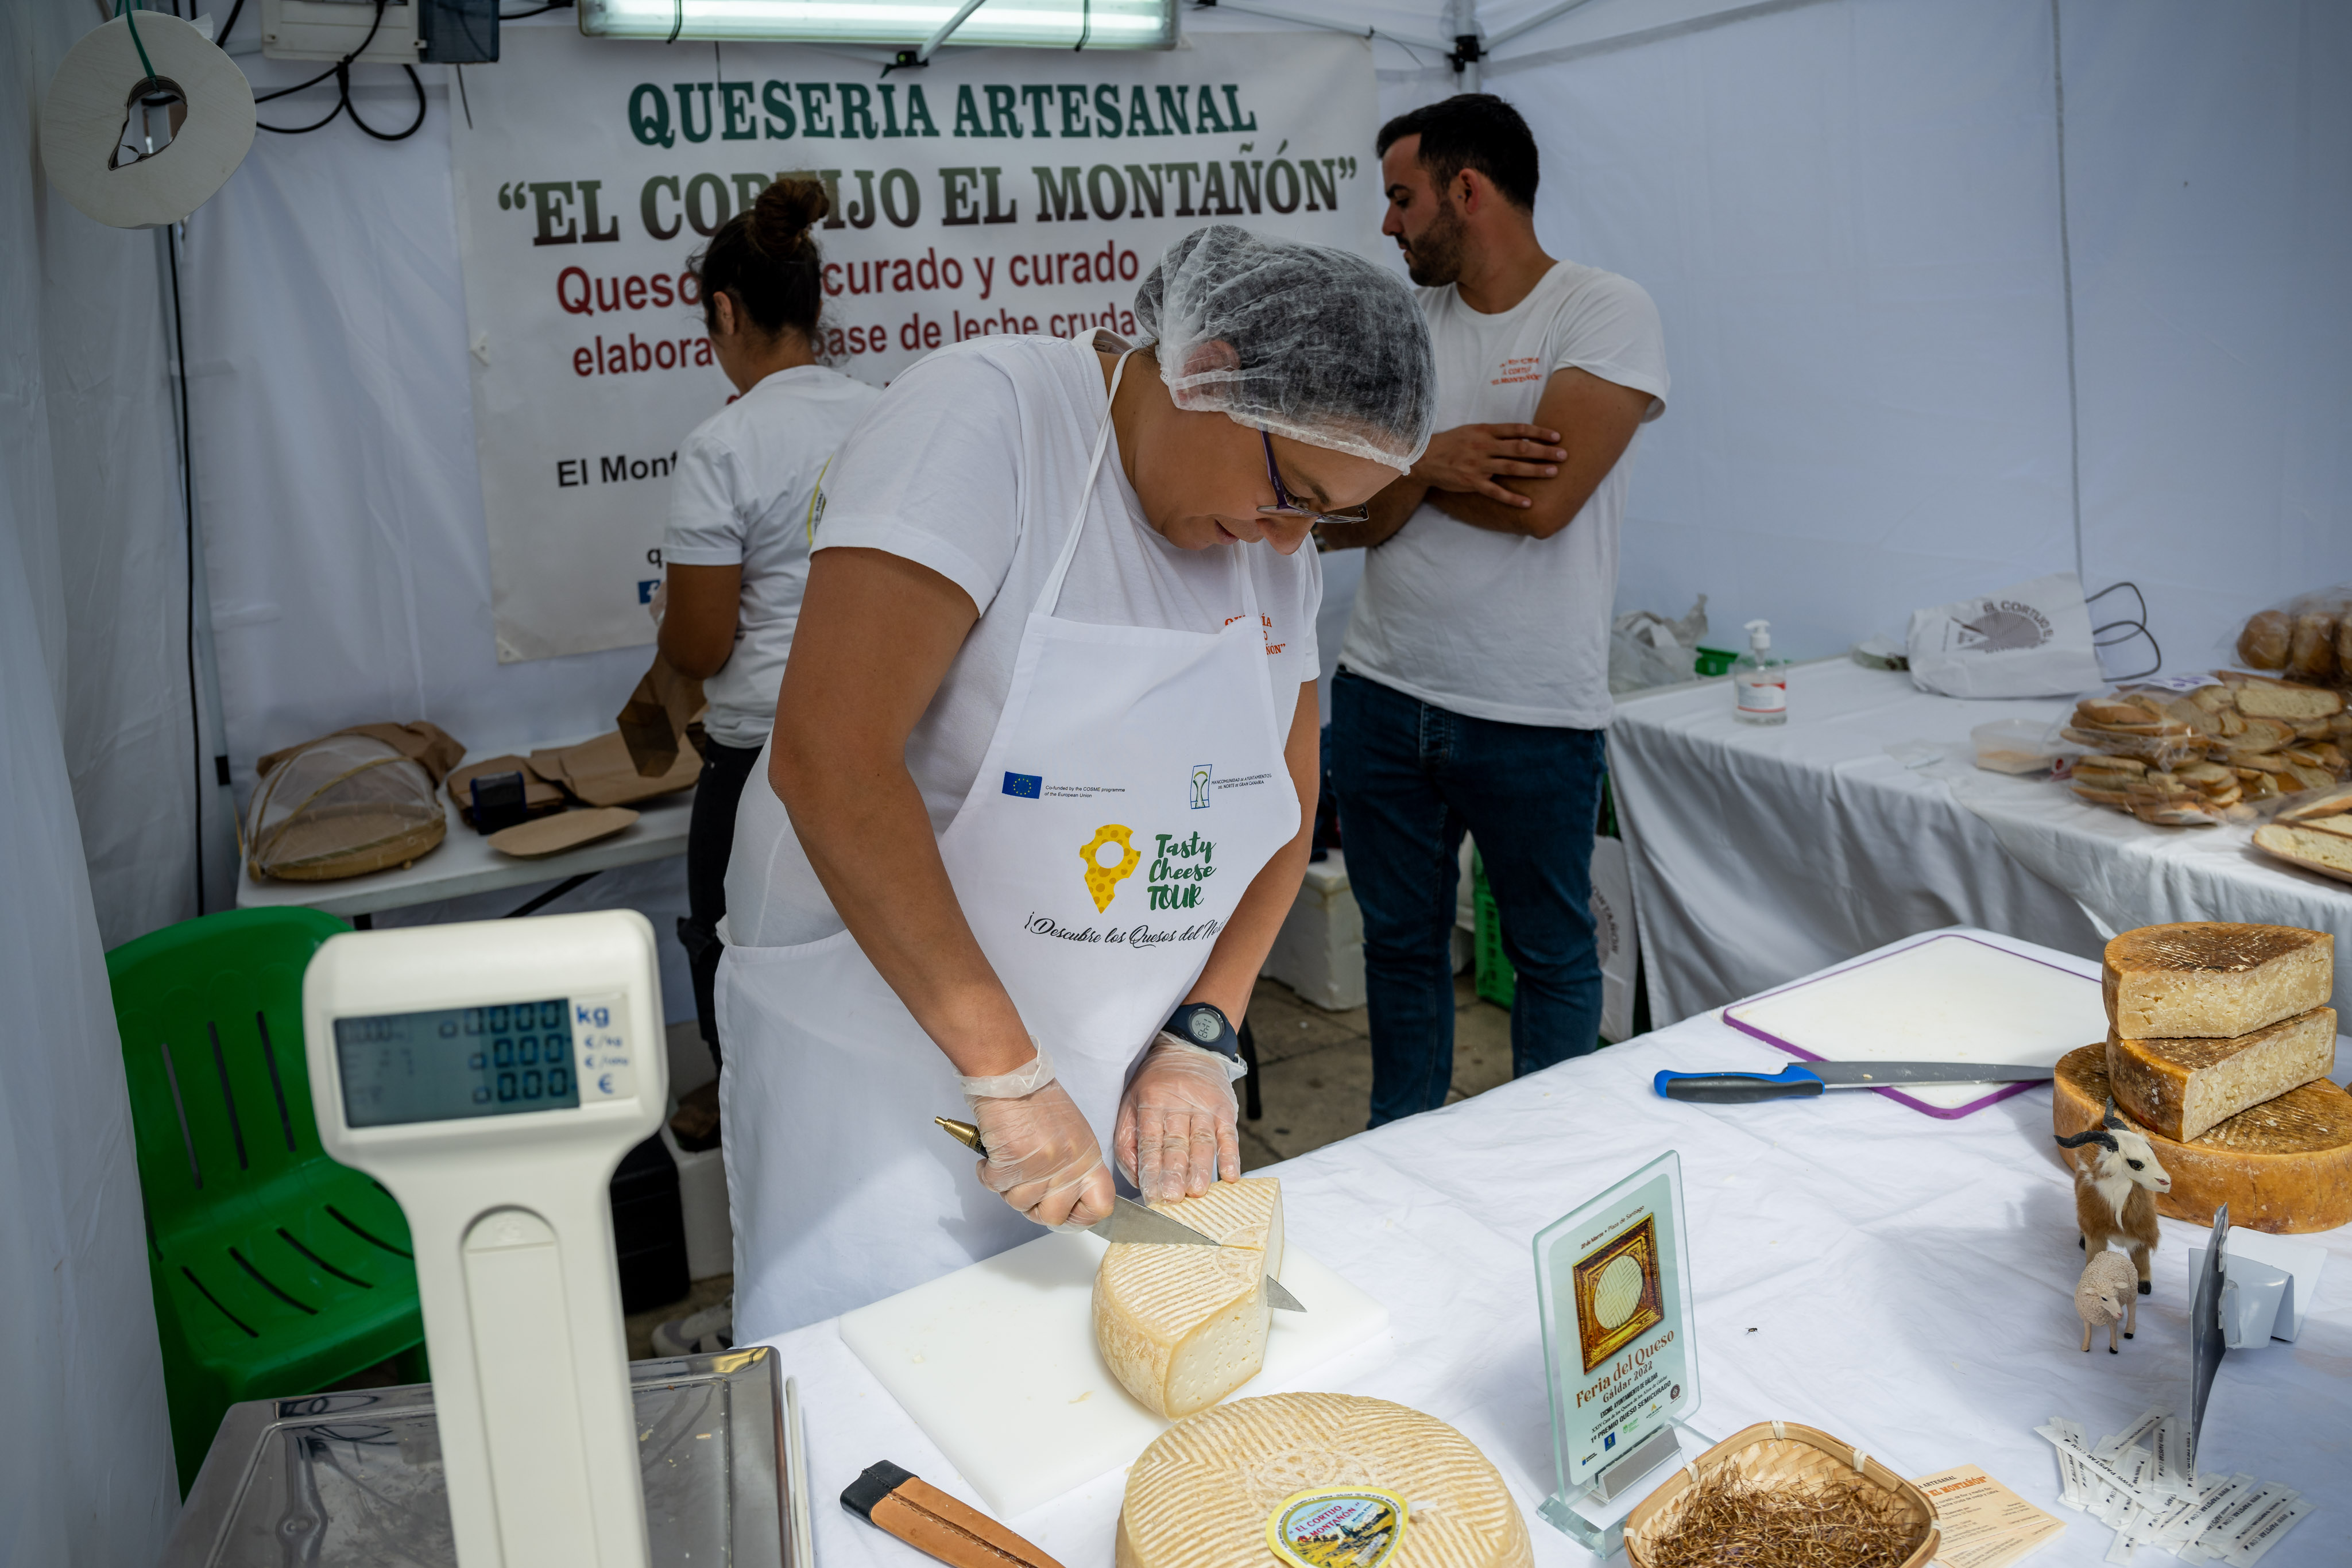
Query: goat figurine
(2105, 1296)
(2115, 1190)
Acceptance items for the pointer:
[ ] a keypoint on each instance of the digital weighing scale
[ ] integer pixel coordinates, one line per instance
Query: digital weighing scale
(490, 1075)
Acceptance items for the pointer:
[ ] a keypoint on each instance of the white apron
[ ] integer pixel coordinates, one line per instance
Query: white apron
(1134, 786)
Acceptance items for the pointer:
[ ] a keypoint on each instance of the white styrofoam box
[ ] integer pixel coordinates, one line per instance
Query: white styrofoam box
(702, 1193)
(1613, 934)
(996, 1363)
(1319, 951)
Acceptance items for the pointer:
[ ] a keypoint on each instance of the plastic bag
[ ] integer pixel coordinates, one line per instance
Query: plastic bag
(340, 806)
(2032, 639)
(1647, 650)
(2021, 746)
(2187, 751)
(2307, 639)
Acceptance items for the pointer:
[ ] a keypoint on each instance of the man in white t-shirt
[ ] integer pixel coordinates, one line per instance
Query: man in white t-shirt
(1473, 690)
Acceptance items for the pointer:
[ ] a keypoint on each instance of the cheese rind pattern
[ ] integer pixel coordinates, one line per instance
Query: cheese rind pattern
(1182, 1327)
(1200, 1496)
(2283, 1166)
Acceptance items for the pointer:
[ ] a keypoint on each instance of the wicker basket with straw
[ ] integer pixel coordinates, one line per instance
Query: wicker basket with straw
(1779, 1493)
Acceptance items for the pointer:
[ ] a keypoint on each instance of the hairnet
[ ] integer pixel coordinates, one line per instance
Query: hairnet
(1313, 343)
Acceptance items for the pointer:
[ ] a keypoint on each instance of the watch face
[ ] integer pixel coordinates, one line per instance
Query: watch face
(1204, 1026)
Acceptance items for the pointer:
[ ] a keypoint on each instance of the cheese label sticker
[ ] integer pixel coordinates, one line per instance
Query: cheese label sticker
(1338, 1527)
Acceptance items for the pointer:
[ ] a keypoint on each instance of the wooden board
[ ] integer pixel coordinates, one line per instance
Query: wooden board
(564, 831)
(996, 1363)
(2284, 1166)
(1948, 999)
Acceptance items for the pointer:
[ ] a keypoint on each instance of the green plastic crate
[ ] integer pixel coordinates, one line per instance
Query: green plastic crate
(1490, 971)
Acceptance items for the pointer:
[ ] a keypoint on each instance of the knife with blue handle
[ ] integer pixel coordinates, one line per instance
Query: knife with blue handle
(1810, 1080)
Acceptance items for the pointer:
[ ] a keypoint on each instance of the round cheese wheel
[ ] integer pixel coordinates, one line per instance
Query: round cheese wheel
(2283, 1166)
(1200, 1497)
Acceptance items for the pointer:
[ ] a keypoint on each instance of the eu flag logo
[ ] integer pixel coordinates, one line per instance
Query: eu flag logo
(1026, 785)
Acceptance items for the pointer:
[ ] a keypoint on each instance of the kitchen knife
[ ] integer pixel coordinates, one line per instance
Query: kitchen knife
(1131, 1221)
(1811, 1078)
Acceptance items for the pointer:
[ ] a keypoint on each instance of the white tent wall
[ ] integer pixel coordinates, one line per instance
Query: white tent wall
(88, 657)
(2208, 170)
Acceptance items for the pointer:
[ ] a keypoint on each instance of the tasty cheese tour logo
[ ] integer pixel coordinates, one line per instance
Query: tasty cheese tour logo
(1178, 866)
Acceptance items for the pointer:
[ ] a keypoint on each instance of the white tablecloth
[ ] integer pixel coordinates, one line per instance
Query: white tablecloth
(1759, 854)
(1904, 1282)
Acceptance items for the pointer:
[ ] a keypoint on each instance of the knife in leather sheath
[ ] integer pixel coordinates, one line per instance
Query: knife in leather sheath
(1129, 1221)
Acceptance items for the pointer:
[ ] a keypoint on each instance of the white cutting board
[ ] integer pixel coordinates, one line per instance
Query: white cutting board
(1948, 999)
(996, 1363)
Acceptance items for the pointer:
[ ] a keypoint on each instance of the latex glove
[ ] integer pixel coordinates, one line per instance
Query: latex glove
(1177, 1123)
(658, 605)
(1043, 1157)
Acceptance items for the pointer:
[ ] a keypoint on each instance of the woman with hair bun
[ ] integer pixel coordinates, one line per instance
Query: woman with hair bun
(735, 556)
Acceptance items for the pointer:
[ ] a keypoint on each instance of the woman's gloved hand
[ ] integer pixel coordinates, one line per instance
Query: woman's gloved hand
(1176, 1129)
(1043, 1157)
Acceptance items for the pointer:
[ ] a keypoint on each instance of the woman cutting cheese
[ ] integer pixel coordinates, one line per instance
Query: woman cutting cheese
(1042, 766)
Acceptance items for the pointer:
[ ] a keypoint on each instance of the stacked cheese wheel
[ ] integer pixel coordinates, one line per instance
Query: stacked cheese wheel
(2219, 1048)
(1201, 1496)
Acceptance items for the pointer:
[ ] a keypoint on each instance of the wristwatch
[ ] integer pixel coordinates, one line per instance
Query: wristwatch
(1201, 1024)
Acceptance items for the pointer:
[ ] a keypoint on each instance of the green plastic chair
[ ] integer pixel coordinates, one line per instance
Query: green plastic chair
(277, 1271)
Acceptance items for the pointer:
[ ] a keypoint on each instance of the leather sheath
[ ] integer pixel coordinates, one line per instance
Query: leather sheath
(903, 1504)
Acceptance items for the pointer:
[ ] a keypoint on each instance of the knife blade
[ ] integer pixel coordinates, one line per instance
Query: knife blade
(1131, 1222)
(1811, 1078)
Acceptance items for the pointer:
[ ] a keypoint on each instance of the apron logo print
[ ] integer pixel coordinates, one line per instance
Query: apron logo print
(1201, 787)
(1104, 877)
(1026, 785)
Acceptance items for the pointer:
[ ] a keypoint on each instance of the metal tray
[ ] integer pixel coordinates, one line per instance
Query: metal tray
(354, 1479)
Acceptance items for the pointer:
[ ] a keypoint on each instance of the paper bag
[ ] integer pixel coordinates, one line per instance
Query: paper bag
(428, 745)
(661, 710)
(599, 772)
(2030, 640)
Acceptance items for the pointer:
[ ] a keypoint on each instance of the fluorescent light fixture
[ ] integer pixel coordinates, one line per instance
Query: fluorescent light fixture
(1033, 24)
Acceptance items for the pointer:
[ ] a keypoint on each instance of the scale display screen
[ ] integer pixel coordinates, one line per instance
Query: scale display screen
(452, 1064)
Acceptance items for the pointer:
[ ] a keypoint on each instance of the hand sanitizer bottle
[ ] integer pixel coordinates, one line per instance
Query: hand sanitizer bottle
(1759, 683)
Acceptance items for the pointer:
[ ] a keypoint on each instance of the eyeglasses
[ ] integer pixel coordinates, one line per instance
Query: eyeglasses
(1286, 504)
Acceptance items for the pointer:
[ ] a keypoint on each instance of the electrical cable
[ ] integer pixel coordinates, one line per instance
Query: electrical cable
(341, 71)
(188, 508)
(234, 13)
(123, 8)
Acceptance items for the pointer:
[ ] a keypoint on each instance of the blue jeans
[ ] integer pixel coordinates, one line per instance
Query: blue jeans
(1411, 778)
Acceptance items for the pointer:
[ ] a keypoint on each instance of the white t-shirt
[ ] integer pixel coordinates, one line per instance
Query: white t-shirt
(745, 485)
(1502, 626)
(970, 465)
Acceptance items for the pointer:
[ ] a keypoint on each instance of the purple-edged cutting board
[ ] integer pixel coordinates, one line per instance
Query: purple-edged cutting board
(1947, 998)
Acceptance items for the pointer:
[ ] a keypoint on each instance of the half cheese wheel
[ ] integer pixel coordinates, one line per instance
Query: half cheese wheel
(1181, 1327)
(2283, 1166)
(2182, 1087)
(1201, 1496)
(2208, 978)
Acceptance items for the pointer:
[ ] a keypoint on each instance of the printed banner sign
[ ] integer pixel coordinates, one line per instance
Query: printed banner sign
(994, 190)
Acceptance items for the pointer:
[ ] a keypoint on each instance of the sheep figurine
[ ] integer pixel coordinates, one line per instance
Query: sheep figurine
(2116, 1188)
(2105, 1296)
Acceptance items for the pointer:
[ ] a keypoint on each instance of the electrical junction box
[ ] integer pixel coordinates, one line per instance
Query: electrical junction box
(329, 29)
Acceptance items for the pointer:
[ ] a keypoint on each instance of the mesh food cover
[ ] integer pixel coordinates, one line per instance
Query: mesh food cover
(1313, 343)
(340, 806)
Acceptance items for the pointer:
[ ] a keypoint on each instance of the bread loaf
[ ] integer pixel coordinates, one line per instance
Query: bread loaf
(1182, 1327)
(2208, 979)
(2267, 642)
(2284, 1166)
(2328, 852)
(1201, 1496)
(2258, 698)
(2311, 655)
(2182, 1087)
